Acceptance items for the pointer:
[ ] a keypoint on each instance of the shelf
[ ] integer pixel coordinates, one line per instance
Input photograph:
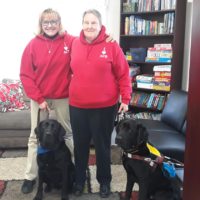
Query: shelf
(171, 22)
(150, 90)
(159, 12)
(147, 36)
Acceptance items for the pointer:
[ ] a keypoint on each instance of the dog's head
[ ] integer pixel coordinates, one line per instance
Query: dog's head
(130, 134)
(50, 133)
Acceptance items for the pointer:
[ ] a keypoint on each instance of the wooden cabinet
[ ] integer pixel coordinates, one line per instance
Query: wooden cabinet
(156, 11)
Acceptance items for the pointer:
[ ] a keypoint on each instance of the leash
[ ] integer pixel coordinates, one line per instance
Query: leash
(38, 116)
(41, 150)
(151, 162)
(157, 160)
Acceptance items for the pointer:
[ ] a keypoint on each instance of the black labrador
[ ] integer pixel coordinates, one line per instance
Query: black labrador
(142, 166)
(55, 166)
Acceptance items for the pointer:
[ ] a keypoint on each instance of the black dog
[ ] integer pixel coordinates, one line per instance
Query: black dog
(142, 167)
(55, 167)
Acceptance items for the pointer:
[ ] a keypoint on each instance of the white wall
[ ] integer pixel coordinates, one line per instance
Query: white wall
(187, 46)
(19, 21)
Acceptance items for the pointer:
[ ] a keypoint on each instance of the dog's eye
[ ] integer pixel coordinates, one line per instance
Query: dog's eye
(46, 124)
(52, 126)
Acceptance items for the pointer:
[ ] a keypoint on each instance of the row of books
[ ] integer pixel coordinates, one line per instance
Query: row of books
(143, 115)
(148, 5)
(146, 100)
(136, 25)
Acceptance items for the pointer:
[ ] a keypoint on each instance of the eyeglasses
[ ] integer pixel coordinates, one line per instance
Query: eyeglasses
(52, 23)
(86, 23)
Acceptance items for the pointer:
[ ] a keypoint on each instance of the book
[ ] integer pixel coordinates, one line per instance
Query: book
(163, 45)
(159, 59)
(144, 78)
(162, 79)
(138, 54)
(159, 53)
(162, 68)
(162, 74)
(162, 88)
(145, 85)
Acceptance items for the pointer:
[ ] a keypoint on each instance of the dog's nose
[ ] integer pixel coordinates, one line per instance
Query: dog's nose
(48, 132)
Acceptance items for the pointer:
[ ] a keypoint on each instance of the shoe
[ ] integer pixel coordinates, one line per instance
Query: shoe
(104, 190)
(78, 190)
(27, 186)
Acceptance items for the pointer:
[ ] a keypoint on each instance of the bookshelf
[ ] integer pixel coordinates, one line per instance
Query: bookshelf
(157, 14)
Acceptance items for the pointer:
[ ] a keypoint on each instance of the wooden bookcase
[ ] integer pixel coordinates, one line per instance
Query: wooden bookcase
(176, 38)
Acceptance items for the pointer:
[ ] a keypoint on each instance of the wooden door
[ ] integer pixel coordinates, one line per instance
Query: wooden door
(192, 155)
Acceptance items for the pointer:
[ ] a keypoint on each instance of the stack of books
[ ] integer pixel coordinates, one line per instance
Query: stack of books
(144, 81)
(162, 77)
(159, 53)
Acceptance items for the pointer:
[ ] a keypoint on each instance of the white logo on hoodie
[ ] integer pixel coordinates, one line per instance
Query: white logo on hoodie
(66, 49)
(103, 53)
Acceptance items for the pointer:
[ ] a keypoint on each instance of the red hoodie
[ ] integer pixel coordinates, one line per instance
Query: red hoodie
(43, 74)
(100, 73)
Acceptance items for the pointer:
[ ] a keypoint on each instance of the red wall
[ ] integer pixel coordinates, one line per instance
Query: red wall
(192, 155)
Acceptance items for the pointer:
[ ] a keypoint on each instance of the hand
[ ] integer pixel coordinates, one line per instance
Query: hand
(110, 39)
(123, 108)
(44, 106)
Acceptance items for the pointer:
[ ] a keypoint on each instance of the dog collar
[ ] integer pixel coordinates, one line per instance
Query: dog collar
(42, 150)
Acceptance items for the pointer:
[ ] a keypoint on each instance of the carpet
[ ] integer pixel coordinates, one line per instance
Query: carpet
(12, 168)
(17, 166)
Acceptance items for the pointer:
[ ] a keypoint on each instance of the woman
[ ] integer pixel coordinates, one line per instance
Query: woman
(100, 76)
(45, 75)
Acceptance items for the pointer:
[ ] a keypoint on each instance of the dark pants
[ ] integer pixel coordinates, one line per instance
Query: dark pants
(95, 124)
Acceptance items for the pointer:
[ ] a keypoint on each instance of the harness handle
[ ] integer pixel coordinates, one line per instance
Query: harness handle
(122, 115)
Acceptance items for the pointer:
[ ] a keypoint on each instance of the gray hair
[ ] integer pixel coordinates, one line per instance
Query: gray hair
(94, 12)
(49, 12)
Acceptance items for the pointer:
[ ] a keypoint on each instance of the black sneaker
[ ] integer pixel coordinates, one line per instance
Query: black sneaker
(78, 190)
(104, 190)
(27, 186)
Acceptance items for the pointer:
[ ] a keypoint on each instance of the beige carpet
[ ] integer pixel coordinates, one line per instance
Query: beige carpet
(14, 168)
(118, 183)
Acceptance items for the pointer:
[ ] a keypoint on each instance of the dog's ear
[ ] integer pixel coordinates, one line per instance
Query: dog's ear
(123, 124)
(142, 134)
(62, 132)
(118, 125)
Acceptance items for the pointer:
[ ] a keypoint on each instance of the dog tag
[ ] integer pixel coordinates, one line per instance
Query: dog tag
(151, 163)
(129, 155)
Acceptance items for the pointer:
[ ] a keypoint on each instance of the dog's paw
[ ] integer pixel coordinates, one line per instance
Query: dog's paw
(47, 189)
(65, 198)
(122, 196)
(37, 198)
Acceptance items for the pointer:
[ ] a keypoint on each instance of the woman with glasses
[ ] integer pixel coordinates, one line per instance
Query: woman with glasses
(45, 75)
(100, 77)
